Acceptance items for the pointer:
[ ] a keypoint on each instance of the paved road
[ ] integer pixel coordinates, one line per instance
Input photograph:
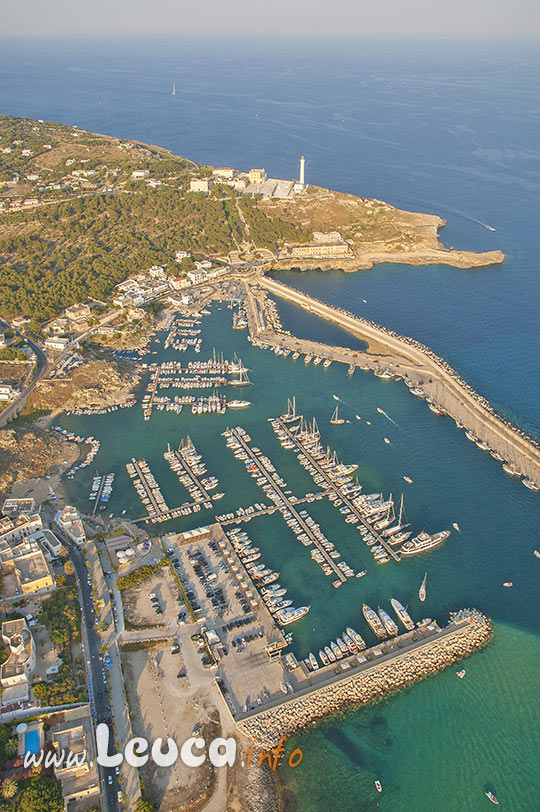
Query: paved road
(97, 682)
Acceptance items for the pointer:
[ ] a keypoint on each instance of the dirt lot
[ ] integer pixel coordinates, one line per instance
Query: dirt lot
(138, 609)
(161, 706)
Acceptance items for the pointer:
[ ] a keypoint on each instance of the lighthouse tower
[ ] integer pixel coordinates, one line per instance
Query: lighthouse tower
(302, 165)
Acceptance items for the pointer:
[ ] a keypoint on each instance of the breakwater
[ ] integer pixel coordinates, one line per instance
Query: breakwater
(467, 632)
(420, 366)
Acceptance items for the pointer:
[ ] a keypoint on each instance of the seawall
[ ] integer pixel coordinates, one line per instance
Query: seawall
(468, 631)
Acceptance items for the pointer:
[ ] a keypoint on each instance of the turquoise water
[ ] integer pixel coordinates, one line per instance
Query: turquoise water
(449, 128)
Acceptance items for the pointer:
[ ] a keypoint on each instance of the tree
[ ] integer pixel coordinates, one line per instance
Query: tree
(42, 795)
(9, 788)
(69, 569)
(144, 805)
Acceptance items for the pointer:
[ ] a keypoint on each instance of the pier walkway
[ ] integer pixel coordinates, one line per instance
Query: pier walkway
(290, 506)
(191, 474)
(332, 486)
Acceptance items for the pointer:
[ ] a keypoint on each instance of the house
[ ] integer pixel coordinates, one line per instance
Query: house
(77, 312)
(58, 343)
(48, 542)
(140, 173)
(78, 775)
(203, 265)
(69, 522)
(224, 172)
(196, 277)
(33, 573)
(199, 185)
(7, 392)
(257, 175)
(14, 507)
(18, 528)
(16, 671)
(178, 282)
(180, 255)
(20, 322)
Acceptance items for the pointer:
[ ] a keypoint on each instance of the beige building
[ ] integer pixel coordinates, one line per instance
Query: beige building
(14, 507)
(199, 185)
(77, 312)
(16, 671)
(318, 250)
(80, 782)
(257, 175)
(33, 573)
(224, 172)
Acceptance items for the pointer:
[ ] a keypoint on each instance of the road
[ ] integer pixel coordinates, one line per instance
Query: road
(96, 672)
(44, 365)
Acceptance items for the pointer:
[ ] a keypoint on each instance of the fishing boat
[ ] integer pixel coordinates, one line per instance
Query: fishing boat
(461, 673)
(336, 420)
(511, 469)
(492, 798)
(422, 591)
(374, 621)
(388, 623)
(402, 614)
(456, 526)
(531, 484)
(378, 786)
(408, 479)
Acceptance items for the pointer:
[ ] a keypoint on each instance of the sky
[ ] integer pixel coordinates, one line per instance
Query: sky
(453, 18)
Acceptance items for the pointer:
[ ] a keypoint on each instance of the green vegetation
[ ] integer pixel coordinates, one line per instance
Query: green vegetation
(61, 614)
(142, 644)
(8, 743)
(43, 794)
(268, 232)
(138, 575)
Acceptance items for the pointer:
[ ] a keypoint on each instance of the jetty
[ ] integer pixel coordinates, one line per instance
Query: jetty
(367, 677)
(409, 359)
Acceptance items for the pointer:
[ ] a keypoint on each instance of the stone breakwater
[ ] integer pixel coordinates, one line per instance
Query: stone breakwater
(471, 632)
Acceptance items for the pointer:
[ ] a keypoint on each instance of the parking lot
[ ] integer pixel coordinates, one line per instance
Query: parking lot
(155, 601)
(234, 627)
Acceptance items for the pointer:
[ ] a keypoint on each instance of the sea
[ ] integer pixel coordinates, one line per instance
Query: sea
(446, 127)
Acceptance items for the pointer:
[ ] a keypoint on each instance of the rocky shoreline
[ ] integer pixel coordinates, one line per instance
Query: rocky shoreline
(367, 686)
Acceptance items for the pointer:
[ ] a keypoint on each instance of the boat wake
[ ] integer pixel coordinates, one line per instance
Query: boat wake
(381, 411)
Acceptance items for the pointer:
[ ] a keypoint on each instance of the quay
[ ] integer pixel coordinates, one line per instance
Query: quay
(332, 486)
(289, 505)
(417, 364)
(152, 493)
(411, 657)
(176, 456)
(98, 495)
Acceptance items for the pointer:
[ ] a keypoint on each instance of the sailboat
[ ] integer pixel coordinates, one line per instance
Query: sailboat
(242, 379)
(173, 90)
(422, 592)
(336, 420)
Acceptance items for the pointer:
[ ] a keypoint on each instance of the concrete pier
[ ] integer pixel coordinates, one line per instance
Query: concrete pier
(467, 632)
(413, 361)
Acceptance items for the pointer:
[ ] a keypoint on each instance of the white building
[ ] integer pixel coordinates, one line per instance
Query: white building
(16, 671)
(7, 392)
(140, 173)
(69, 522)
(196, 277)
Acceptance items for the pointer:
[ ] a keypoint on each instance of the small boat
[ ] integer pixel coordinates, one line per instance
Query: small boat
(422, 591)
(368, 422)
(335, 397)
(492, 798)
(313, 661)
(336, 420)
(536, 553)
(461, 673)
(387, 441)
(508, 584)
(408, 479)
(358, 417)
(378, 786)
(456, 527)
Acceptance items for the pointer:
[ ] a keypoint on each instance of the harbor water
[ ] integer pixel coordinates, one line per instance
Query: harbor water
(450, 130)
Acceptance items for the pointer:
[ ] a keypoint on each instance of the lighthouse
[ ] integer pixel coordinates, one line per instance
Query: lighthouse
(302, 165)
